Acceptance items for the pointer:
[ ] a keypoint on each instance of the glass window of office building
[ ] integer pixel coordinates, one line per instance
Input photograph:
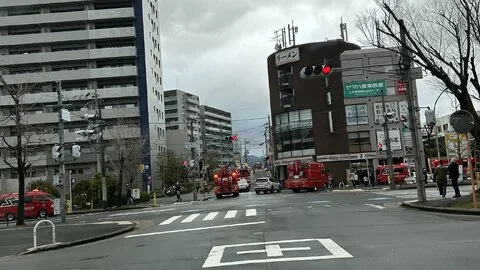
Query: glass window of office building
(294, 134)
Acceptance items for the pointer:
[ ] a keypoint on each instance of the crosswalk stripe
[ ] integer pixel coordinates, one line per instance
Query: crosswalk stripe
(251, 212)
(210, 216)
(170, 220)
(190, 218)
(231, 214)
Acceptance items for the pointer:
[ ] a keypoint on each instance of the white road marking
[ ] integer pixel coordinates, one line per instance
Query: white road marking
(283, 249)
(231, 214)
(196, 229)
(376, 206)
(254, 205)
(190, 218)
(379, 199)
(170, 220)
(320, 202)
(327, 205)
(251, 212)
(273, 249)
(210, 216)
(309, 206)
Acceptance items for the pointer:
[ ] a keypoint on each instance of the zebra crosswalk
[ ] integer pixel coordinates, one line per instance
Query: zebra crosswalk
(230, 214)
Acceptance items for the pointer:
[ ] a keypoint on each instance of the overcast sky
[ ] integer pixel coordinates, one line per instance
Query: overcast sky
(218, 49)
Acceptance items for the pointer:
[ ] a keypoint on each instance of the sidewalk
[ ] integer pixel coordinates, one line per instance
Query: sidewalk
(463, 205)
(19, 240)
(173, 199)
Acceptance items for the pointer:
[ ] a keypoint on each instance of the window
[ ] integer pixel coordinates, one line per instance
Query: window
(359, 142)
(294, 134)
(356, 114)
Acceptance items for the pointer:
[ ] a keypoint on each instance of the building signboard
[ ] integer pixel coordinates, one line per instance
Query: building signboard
(364, 89)
(395, 141)
(287, 56)
(456, 144)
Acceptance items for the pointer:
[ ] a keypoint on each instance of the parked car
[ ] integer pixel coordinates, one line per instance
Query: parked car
(267, 184)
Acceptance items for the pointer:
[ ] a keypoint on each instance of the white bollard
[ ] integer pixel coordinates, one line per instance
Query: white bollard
(35, 232)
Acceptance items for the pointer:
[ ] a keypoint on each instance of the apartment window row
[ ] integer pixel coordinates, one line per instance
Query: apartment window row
(356, 114)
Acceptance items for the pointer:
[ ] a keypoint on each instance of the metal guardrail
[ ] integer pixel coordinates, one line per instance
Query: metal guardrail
(35, 232)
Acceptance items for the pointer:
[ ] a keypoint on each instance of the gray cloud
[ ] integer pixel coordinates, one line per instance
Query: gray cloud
(217, 49)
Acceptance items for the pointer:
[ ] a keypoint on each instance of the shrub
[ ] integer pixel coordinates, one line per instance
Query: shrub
(44, 186)
(144, 197)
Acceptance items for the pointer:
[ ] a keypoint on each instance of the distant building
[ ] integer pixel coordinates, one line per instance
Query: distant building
(216, 125)
(182, 112)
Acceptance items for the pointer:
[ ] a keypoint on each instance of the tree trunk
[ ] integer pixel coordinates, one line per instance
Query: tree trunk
(466, 104)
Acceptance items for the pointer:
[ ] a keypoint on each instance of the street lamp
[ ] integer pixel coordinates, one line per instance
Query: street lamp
(435, 113)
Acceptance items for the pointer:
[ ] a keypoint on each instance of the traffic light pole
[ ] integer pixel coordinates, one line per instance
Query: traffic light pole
(62, 156)
(101, 152)
(192, 152)
(388, 144)
(412, 116)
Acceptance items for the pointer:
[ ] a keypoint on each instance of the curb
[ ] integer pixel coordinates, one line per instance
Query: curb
(447, 210)
(81, 241)
(106, 210)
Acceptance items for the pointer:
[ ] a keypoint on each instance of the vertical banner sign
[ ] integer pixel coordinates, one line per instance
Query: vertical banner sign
(395, 141)
(401, 87)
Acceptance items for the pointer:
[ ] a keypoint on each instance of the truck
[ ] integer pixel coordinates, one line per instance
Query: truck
(400, 173)
(311, 176)
(225, 182)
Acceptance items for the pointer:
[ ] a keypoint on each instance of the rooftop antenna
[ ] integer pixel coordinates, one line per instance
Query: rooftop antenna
(176, 79)
(343, 30)
(294, 31)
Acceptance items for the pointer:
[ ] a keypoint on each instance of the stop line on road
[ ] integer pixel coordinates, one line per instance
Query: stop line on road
(231, 214)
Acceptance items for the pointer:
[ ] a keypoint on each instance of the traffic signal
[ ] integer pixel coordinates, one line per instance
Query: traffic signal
(430, 118)
(314, 72)
(231, 138)
(76, 151)
(57, 152)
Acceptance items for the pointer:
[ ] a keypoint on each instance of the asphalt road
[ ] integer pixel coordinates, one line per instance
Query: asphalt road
(334, 230)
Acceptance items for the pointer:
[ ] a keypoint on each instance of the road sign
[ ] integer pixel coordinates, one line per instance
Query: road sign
(56, 206)
(275, 251)
(65, 115)
(190, 145)
(462, 121)
(401, 87)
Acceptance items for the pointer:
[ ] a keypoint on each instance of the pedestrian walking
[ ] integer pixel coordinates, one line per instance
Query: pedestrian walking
(440, 175)
(372, 179)
(365, 180)
(129, 195)
(454, 175)
(178, 191)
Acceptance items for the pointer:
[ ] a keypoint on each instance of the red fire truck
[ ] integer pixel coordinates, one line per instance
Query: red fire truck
(311, 176)
(225, 182)
(400, 173)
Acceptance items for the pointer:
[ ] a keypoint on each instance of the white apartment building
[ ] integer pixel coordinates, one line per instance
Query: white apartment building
(112, 47)
(216, 125)
(182, 112)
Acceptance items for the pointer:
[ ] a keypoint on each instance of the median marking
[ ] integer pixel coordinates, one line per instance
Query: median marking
(170, 220)
(251, 212)
(196, 229)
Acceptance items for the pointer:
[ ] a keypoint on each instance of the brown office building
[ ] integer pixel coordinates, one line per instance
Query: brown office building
(308, 115)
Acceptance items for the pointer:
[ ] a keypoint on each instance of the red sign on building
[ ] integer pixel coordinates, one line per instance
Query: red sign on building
(401, 87)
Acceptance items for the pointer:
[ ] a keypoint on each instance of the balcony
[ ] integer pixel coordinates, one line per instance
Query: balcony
(60, 17)
(287, 101)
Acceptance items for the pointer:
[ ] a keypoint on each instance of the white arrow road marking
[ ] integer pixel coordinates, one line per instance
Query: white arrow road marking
(190, 218)
(196, 229)
(231, 214)
(210, 216)
(251, 212)
(170, 220)
(376, 206)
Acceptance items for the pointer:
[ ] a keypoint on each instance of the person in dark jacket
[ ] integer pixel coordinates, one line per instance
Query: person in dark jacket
(453, 175)
(441, 178)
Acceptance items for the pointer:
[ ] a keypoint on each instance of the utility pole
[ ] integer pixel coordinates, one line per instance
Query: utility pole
(245, 150)
(62, 156)
(101, 151)
(192, 152)
(388, 144)
(413, 118)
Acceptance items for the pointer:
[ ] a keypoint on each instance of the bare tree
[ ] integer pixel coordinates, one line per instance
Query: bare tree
(19, 138)
(442, 37)
(126, 153)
